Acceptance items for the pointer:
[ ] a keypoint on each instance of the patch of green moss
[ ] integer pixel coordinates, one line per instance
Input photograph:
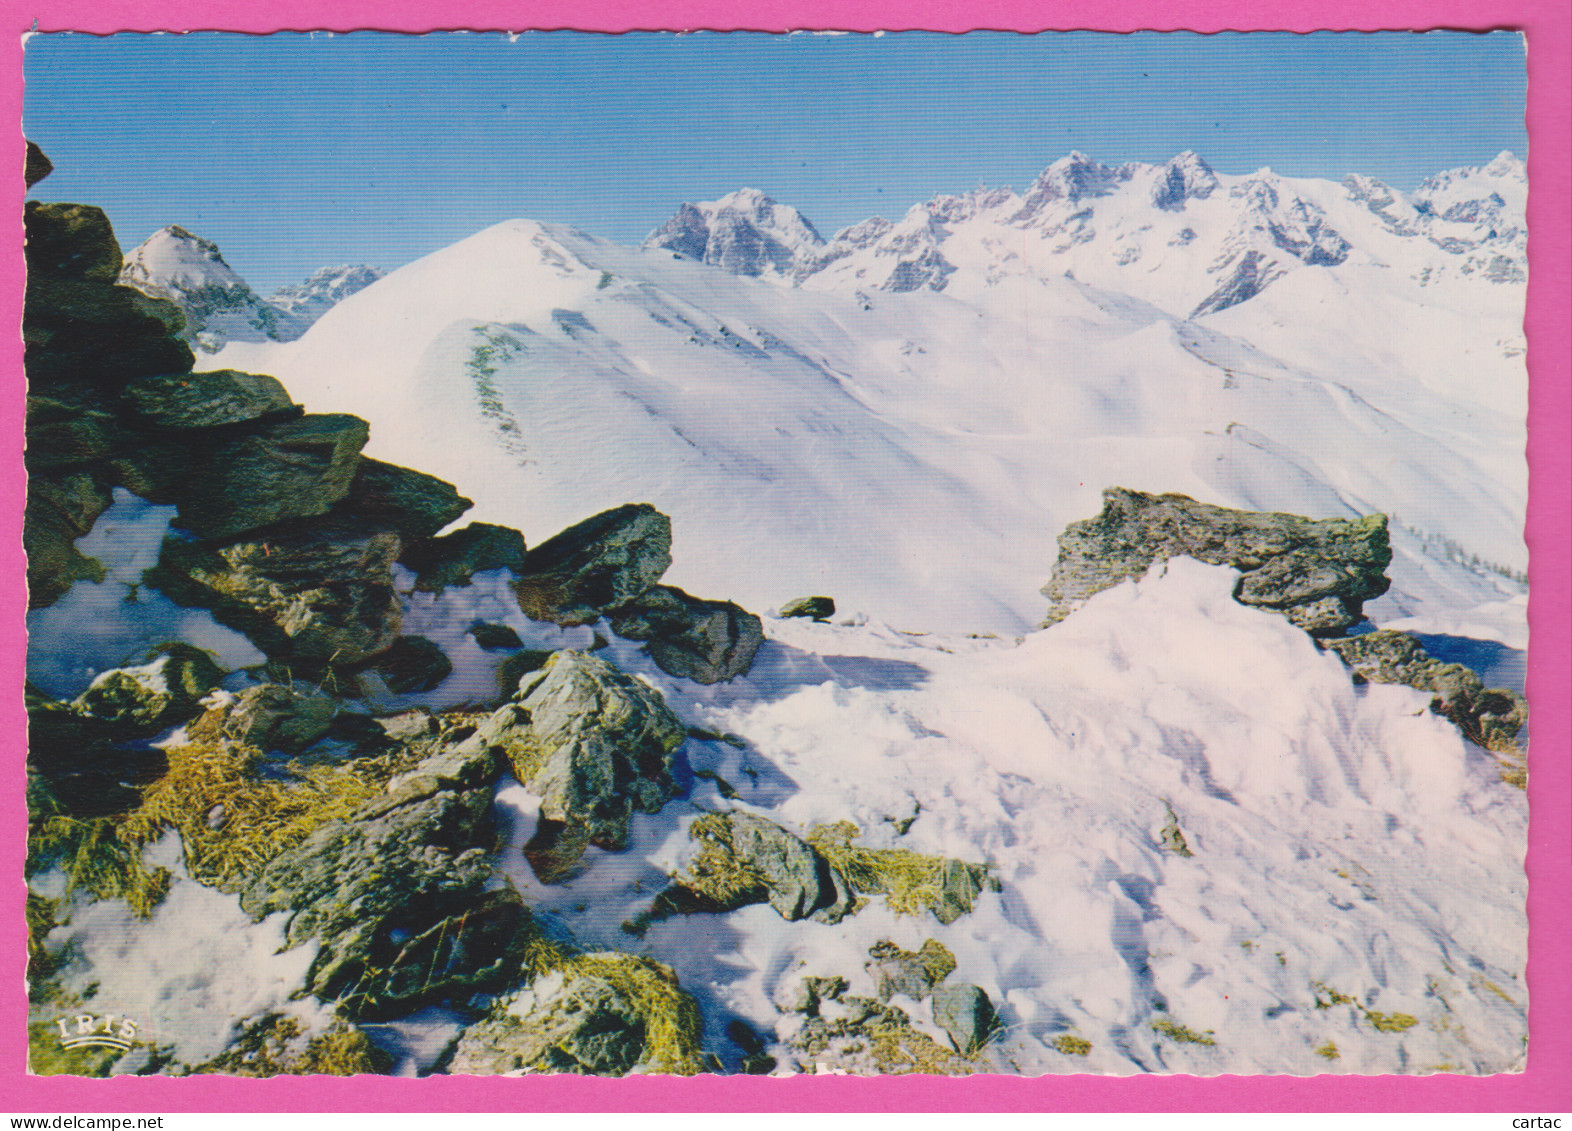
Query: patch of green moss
(1390, 1022)
(46, 1057)
(1172, 837)
(99, 858)
(278, 1046)
(1328, 1051)
(1174, 1031)
(1071, 1045)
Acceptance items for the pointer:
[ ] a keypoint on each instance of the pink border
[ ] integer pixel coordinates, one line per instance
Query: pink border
(1544, 1087)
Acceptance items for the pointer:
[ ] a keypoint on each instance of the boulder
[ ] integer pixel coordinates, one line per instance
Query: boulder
(913, 973)
(1486, 716)
(85, 766)
(413, 503)
(271, 717)
(593, 742)
(867, 1038)
(1317, 572)
(71, 241)
(965, 1012)
(454, 558)
(512, 670)
(413, 664)
(744, 858)
(61, 508)
(62, 435)
(145, 699)
(603, 1014)
(85, 332)
(493, 637)
(389, 893)
(37, 165)
(601, 563)
(311, 595)
(705, 641)
(818, 608)
(293, 469)
(215, 399)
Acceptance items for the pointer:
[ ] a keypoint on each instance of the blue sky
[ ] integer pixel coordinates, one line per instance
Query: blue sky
(294, 151)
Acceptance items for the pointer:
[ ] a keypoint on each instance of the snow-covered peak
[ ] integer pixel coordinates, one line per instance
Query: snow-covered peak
(744, 232)
(324, 289)
(173, 259)
(1186, 177)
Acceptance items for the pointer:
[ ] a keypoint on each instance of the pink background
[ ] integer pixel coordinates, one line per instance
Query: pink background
(1547, 1084)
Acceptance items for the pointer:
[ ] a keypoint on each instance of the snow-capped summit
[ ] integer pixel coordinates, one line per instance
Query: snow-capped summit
(219, 305)
(744, 233)
(323, 290)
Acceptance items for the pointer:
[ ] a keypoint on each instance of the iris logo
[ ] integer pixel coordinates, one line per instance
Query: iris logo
(87, 1029)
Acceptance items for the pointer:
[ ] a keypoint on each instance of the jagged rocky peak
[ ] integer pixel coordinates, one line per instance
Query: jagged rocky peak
(1186, 177)
(744, 233)
(1072, 178)
(325, 289)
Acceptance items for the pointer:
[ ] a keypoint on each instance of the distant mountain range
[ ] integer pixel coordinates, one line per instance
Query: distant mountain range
(219, 305)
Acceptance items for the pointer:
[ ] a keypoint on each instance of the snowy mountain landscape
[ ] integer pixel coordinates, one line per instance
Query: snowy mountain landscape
(969, 643)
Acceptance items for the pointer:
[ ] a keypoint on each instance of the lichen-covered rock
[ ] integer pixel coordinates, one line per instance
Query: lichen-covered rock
(155, 695)
(1486, 716)
(413, 664)
(454, 558)
(593, 742)
(744, 858)
(966, 1013)
(603, 562)
(913, 973)
(705, 641)
(396, 895)
(215, 399)
(603, 1014)
(311, 595)
(60, 509)
(73, 241)
(818, 608)
(289, 470)
(271, 716)
(865, 1038)
(413, 503)
(63, 435)
(1317, 572)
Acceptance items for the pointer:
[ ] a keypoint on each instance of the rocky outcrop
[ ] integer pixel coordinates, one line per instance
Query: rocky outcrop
(60, 509)
(817, 608)
(912, 973)
(396, 894)
(863, 1037)
(412, 503)
(744, 858)
(156, 695)
(593, 742)
(596, 565)
(270, 717)
(453, 559)
(602, 1014)
(705, 641)
(413, 664)
(1489, 717)
(966, 1013)
(1316, 572)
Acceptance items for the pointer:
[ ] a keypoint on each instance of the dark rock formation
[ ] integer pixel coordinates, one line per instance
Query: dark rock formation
(495, 637)
(965, 1012)
(295, 469)
(72, 241)
(593, 742)
(395, 895)
(819, 608)
(313, 594)
(60, 509)
(744, 859)
(413, 503)
(598, 564)
(155, 695)
(83, 332)
(1486, 716)
(705, 641)
(1317, 572)
(413, 664)
(913, 973)
(206, 400)
(455, 558)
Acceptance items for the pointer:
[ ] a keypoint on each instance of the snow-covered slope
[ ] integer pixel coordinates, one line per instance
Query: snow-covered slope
(219, 305)
(915, 452)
